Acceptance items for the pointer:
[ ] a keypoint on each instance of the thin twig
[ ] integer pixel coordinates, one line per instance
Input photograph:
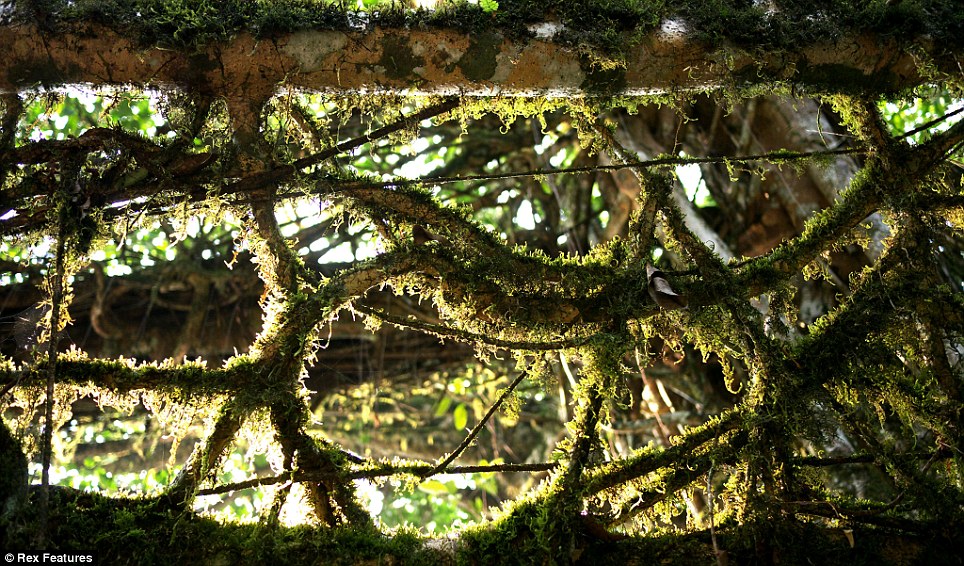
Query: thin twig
(816, 461)
(930, 123)
(279, 174)
(6, 388)
(417, 469)
(56, 297)
(475, 431)
(709, 500)
(464, 336)
(657, 162)
(330, 185)
(334, 185)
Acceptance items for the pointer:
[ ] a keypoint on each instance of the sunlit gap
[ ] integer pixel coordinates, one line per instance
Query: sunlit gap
(52, 123)
(912, 114)
(691, 178)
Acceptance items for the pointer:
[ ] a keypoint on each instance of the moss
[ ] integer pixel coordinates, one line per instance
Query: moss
(666, 549)
(610, 26)
(479, 61)
(791, 23)
(398, 59)
(512, 539)
(147, 532)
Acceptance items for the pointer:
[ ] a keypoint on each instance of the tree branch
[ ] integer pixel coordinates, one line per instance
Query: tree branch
(440, 467)
(377, 472)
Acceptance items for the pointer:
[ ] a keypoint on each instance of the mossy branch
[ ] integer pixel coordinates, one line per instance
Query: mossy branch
(278, 175)
(778, 156)
(445, 331)
(682, 473)
(861, 198)
(648, 460)
(281, 268)
(56, 283)
(644, 226)
(125, 376)
(206, 457)
(332, 496)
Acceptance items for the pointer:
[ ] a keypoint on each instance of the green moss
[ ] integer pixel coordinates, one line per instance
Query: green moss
(398, 59)
(146, 532)
(479, 61)
(604, 30)
(793, 23)
(512, 539)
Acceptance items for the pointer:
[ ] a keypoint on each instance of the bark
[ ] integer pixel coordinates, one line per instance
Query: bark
(247, 70)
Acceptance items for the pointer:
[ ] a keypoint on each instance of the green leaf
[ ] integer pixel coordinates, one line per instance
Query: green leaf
(443, 406)
(434, 487)
(461, 416)
(489, 486)
(489, 6)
